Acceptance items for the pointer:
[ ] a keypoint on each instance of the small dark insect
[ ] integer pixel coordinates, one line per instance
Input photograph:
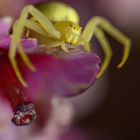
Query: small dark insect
(25, 114)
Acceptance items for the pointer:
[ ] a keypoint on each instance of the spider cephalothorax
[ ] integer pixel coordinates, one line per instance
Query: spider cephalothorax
(58, 24)
(71, 33)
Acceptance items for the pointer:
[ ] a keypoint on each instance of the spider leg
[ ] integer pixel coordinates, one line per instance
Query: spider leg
(17, 33)
(56, 43)
(85, 43)
(50, 42)
(35, 27)
(43, 20)
(109, 28)
(120, 37)
(90, 28)
(106, 48)
(64, 48)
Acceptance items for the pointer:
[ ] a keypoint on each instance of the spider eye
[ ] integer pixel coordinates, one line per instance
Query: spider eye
(70, 25)
(74, 28)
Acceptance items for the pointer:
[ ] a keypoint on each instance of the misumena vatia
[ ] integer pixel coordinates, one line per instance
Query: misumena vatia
(58, 23)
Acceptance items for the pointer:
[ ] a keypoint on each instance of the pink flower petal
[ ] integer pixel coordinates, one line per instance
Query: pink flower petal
(68, 76)
(62, 75)
(5, 25)
(30, 44)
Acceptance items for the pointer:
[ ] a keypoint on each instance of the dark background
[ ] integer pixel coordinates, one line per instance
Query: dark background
(118, 116)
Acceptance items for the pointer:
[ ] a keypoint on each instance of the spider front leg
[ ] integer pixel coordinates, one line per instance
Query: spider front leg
(57, 43)
(90, 30)
(15, 43)
(85, 43)
(17, 34)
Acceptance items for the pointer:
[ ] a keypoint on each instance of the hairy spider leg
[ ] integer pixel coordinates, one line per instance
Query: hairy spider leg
(17, 33)
(106, 48)
(91, 27)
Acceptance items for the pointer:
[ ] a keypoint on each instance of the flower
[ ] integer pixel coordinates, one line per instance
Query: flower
(58, 73)
(56, 128)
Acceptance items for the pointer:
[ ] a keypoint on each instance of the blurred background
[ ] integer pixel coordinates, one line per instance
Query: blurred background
(110, 109)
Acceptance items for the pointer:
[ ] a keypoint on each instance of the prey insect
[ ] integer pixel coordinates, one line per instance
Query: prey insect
(24, 115)
(57, 25)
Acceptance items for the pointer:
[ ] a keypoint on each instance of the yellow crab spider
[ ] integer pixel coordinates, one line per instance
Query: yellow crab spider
(58, 25)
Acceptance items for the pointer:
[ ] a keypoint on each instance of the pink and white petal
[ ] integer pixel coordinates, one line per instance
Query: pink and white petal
(5, 25)
(66, 76)
(29, 44)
